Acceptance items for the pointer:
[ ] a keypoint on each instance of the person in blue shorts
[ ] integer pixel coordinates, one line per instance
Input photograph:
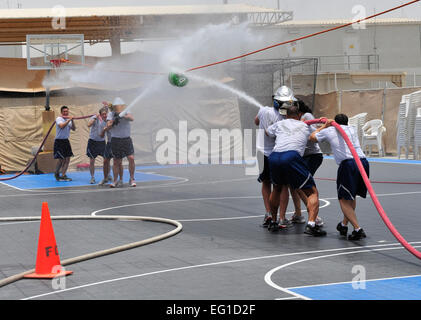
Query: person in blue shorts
(288, 168)
(313, 157)
(349, 182)
(264, 146)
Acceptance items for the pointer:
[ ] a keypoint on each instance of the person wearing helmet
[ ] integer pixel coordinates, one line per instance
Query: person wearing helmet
(284, 96)
(121, 143)
(282, 99)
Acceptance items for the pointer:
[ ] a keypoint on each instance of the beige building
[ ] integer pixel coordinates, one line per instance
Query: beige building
(380, 53)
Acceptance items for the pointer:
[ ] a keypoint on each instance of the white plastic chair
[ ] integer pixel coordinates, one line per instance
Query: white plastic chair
(372, 134)
(358, 122)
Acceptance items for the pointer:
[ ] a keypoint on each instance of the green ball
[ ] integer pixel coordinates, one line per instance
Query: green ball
(178, 80)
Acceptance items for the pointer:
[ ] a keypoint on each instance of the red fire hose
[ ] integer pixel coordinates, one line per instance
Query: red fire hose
(374, 198)
(39, 150)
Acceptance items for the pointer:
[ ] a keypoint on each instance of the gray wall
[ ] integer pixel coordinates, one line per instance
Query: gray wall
(398, 45)
(10, 51)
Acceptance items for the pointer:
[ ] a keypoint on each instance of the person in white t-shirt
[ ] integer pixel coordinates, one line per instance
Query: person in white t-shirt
(264, 146)
(349, 182)
(121, 143)
(96, 144)
(313, 156)
(62, 148)
(287, 167)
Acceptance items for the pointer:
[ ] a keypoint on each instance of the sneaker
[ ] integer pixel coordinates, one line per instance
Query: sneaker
(284, 223)
(57, 176)
(266, 221)
(66, 178)
(357, 235)
(102, 182)
(298, 219)
(273, 226)
(319, 222)
(342, 230)
(92, 181)
(117, 184)
(315, 231)
(132, 183)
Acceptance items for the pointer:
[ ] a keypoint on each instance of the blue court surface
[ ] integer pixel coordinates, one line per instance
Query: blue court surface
(79, 178)
(386, 160)
(405, 288)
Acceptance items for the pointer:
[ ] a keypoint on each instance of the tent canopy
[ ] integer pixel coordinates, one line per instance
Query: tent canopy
(126, 23)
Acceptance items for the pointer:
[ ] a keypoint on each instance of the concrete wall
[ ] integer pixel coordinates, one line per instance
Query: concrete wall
(11, 51)
(398, 47)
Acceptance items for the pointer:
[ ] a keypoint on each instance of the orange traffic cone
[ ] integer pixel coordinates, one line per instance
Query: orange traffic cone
(48, 261)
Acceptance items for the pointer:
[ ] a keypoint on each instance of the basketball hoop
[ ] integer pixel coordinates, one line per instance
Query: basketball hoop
(54, 51)
(56, 63)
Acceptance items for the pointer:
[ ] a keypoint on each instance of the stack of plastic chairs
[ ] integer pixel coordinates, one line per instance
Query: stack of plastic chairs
(402, 137)
(417, 134)
(358, 122)
(414, 104)
(406, 123)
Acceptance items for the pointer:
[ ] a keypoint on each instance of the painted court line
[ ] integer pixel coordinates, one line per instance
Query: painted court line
(80, 179)
(350, 282)
(326, 203)
(217, 264)
(394, 288)
(268, 276)
(386, 160)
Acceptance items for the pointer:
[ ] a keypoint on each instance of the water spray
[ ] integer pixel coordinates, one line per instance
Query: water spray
(240, 94)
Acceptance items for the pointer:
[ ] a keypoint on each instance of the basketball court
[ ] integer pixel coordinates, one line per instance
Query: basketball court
(189, 231)
(222, 252)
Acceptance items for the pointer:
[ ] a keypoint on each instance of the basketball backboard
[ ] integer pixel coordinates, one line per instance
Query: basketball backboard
(54, 51)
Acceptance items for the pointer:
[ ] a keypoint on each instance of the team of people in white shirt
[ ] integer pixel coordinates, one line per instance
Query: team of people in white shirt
(286, 145)
(290, 156)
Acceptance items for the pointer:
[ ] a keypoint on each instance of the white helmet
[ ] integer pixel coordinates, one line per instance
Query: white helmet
(284, 94)
(118, 102)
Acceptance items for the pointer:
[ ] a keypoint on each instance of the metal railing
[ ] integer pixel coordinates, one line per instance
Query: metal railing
(369, 62)
(269, 18)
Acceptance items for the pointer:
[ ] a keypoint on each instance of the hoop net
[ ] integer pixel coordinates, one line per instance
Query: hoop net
(56, 63)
